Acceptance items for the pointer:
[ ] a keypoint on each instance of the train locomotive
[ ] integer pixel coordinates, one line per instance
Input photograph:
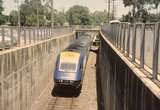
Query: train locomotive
(71, 62)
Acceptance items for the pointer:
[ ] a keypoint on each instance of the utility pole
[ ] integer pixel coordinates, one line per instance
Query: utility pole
(19, 14)
(52, 14)
(37, 6)
(113, 9)
(109, 3)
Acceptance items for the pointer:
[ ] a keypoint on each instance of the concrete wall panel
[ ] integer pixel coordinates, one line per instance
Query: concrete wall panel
(121, 88)
(25, 72)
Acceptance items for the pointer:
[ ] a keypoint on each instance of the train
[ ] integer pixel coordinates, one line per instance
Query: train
(71, 63)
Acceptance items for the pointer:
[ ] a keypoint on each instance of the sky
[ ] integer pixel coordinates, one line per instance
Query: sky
(93, 5)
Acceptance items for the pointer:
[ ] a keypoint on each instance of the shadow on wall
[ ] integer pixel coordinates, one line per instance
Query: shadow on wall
(100, 101)
(121, 88)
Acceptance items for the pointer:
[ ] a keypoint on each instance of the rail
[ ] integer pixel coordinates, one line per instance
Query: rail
(13, 36)
(139, 42)
(86, 27)
(19, 36)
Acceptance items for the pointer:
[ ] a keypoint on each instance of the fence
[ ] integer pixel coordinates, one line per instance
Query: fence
(139, 42)
(26, 71)
(18, 36)
(90, 27)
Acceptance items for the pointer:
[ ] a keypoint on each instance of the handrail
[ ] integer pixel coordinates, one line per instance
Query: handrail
(12, 36)
(126, 37)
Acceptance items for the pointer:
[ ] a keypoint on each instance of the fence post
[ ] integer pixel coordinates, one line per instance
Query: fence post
(34, 34)
(117, 32)
(134, 43)
(29, 35)
(47, 33)
(50, 32)
(44, 30)
(11, 36)
(119, 37)
(2, 107)
(19, 31)
(124, 35)
(142, 46)
(37, 34)
(128, 40)
(121, 33)
(155, 51)
(3, 38)
(41, 34)
(25, 36)
(113, 34)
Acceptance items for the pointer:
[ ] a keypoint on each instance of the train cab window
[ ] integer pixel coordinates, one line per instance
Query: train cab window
(68, 67)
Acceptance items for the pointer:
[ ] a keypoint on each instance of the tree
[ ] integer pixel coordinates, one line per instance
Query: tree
(60, 18)
(99, 17)
(26, 11)
(13, 18)
(139, 7)
(29, 15)
(1, 7)
(2, 17)
(78, 15)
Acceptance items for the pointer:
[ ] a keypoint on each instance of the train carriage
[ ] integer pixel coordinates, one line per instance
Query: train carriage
(71, 62)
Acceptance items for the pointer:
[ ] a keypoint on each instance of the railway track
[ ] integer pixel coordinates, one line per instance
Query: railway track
(61, 103)
(66, 99)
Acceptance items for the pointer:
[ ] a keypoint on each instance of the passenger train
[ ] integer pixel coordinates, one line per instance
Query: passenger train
(71, 62)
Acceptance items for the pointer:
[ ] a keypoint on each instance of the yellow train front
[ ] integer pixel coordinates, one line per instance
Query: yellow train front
(71, 62)
(69, 69)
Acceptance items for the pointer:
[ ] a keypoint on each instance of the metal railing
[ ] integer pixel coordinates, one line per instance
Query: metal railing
(140, 42)
(19, 36)
(13, 36)
(24, 75)
(86, 27)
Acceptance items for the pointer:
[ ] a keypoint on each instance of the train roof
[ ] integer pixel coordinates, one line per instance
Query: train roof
(80, 43)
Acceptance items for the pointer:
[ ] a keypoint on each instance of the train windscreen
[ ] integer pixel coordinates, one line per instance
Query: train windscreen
(69, 61)
(68, 67)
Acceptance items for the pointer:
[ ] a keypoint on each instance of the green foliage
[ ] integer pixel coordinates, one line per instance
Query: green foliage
(28, 13)
(30, 10)
(60, 18)
(2, 17)
(31, 20)
(139, 11)
(78, 15)
(99, 17)
(1, 7)
(140, 3)
(13, 18)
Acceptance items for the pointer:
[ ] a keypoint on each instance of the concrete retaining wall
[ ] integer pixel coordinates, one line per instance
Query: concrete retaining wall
(25, 72)
(121, 88)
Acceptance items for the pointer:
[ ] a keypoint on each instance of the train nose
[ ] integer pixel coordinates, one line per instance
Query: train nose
(67, 76)
(73, 83)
